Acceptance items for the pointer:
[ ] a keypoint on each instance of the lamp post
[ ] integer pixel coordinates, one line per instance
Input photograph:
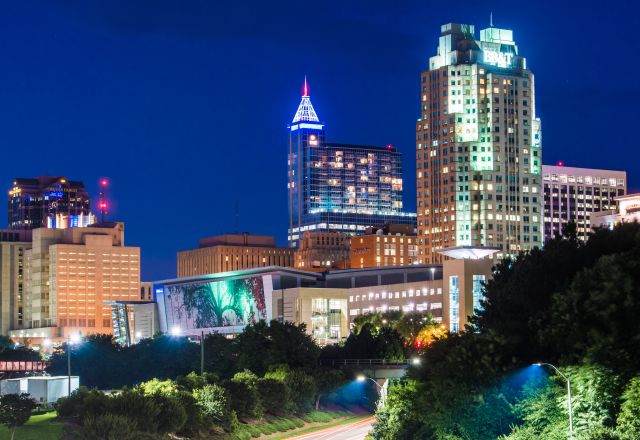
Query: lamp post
(363, 378)
(202, 353)
(539, 364)
(73, 338)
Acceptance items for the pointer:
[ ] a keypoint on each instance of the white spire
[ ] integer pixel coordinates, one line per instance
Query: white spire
(305, 109)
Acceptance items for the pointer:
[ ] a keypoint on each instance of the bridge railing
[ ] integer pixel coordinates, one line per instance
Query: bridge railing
(22, 366)
(362, 362)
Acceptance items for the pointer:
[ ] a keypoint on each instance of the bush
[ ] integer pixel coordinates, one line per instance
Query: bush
(193, 381)
(275, 396)
(213, 403)
(302, 388)
(156, 386)
(172, 415)
(109, 427)
(70, 406)
(245, 399)
(138, 407)
(196, 420)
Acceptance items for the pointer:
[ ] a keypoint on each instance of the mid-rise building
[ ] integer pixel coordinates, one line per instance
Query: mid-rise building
(573, 194)
(71, 273)
(13, 247)
(478, 146)
(627, 210)
(229, 252)
(33, 202)
(389, 245)
(326, 302)
(322, 251)
(339, 187)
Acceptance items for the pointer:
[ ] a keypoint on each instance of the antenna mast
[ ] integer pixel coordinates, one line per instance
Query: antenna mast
(103, 199)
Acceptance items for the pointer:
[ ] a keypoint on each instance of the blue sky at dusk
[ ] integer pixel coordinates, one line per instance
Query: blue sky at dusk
(183, 104)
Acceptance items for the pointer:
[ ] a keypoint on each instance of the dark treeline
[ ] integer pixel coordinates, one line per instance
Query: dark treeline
(572, 304)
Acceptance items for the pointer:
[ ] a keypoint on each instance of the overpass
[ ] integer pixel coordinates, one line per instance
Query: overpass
(377, 369)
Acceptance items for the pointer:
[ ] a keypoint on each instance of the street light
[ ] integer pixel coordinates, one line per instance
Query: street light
(540, 364)
(363, 378)
(175, 331)
(415, 361)
(72, 339)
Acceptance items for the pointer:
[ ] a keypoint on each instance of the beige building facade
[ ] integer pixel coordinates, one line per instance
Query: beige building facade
(392, 245)
(71, 274)
(13, 247)
(323, 251)
(231, 252)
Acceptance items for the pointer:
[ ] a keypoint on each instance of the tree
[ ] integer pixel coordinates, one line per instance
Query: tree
(629, 416)
(275, 396)
(245, 399)
(429, 334)
(15, 410)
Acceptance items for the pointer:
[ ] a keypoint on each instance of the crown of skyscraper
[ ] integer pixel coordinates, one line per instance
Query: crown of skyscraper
(305, 109)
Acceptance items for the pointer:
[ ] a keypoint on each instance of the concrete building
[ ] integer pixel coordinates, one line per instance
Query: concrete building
(389, 245)
(13, 247)
(71, 274)
(230, 252)
(146, 291)
(326, 302)
(322, 251)
(478, 146)
(33, 202)
(573, 194)
(627, 210)
(339, 187)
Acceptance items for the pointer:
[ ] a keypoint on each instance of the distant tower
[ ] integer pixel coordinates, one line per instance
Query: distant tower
(306, 133)
(103, 199)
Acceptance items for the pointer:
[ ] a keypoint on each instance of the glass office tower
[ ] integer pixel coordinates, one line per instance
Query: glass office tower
(339, 187)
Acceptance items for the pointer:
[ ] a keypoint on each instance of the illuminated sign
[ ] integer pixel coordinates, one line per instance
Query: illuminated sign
(500, 59)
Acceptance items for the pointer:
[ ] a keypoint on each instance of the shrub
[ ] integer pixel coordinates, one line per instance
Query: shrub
(15, 410)
(245, 399)
(136, 406)
(275, 396)
(109, 427)
(172, 415)
(69, 406)
(213, 402)
(193, 381)
(196, 420)
(157, 386)
(302, 388)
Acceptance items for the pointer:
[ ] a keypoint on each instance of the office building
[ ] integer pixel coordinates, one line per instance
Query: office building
(326, 302)
(71, 273)
(13, 246)
(339, 187)
(228, 252)
(389, 245)
(627, 210)
(478, 146)
(320, 251)
(33, 202)
(572, 194)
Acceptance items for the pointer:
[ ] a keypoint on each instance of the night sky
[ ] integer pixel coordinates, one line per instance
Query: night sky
(183, 104)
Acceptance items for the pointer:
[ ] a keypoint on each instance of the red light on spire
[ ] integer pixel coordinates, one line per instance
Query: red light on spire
(305, 88)
(103, 182)
(560, 163)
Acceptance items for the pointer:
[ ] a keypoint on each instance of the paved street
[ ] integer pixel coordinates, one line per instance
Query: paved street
(352, 431)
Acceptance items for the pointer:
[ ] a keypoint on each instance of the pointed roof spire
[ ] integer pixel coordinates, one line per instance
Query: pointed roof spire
(491, 19)
(305, 109)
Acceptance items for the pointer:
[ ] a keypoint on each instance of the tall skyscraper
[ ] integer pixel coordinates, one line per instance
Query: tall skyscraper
(572, 194)
(478, 146)
(339, 187)
(33, 203)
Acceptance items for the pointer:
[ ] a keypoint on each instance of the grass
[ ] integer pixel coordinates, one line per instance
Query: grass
(39, 427)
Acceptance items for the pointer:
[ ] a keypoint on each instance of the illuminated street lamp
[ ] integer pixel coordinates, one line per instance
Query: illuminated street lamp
(72, 339)
(175, 331)
(415, 361)
(540, 364)
(363, 378)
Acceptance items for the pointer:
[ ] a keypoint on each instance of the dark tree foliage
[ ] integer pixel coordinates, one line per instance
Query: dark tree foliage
(369, 343)
(572, 304)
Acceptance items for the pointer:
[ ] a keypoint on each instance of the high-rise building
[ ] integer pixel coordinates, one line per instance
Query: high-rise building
(71, 273)
(13, 246)
(33, 202)
(229, 252)
(572, 194)
(389, 245)
(478, 146)
(339, 187)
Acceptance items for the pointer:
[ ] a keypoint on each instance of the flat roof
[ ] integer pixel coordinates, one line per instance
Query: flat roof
(468, 252)
(242, 273)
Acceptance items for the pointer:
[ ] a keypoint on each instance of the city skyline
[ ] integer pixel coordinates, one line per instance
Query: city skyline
(145, 102)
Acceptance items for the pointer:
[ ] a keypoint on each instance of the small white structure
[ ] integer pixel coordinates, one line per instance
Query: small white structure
(13, 386)
(44, 389)
(48, 389)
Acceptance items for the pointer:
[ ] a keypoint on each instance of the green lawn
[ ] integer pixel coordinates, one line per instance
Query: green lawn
(39, 427)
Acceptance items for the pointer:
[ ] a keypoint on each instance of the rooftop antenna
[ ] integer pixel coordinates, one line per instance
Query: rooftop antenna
(103, 199)
(237, 218)
(491, 19)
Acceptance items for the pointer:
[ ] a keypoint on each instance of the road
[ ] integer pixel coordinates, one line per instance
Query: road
(352, 431)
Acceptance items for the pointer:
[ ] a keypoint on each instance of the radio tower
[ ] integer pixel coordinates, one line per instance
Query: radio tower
(103, 199)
